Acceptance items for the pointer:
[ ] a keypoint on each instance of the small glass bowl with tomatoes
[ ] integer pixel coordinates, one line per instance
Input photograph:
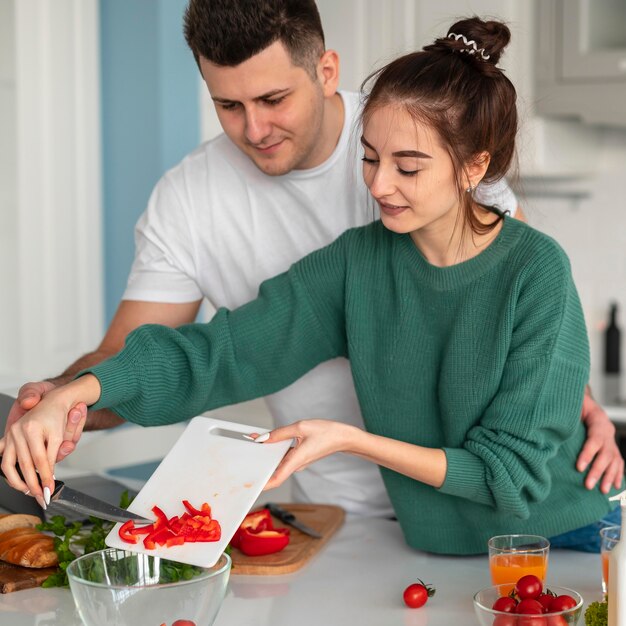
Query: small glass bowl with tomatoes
(528, 604)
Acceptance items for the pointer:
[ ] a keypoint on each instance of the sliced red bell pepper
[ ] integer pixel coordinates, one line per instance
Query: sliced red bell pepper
(159, 537)
(125, 531)
(193, 525)
(263, 542)
(256, 521)
(176, 540)
(204, 510)
(162, 519)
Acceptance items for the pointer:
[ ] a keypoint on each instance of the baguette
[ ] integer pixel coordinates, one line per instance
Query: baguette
(27, 547)
(17, 520)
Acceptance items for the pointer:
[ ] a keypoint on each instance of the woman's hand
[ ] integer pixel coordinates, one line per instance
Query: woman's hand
(314, 439)
(33, 441)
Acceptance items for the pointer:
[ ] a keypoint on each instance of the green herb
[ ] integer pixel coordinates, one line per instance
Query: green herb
(73, 539)
(597, 614)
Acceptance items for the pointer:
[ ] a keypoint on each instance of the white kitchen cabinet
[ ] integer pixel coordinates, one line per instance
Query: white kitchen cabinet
(50, 192)
(581, 60)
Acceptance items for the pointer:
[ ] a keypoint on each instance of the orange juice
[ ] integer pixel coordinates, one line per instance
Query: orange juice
(605, 571)
(509, 568)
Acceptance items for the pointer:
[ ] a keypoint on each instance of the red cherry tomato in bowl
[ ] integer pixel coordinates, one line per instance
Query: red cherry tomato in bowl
(529, 606)
(528, 586)
(417, 594)
(562, 603)
(545, 599)
(532, 620)
(506, 604)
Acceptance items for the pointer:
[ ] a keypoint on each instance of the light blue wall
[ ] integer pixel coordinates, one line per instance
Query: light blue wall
(150, 118)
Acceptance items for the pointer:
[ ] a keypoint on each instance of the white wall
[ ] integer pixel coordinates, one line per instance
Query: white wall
(50, 241)
(8, 215)
(593, 232)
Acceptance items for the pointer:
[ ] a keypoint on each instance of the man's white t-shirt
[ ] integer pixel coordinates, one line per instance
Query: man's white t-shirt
(216, 227)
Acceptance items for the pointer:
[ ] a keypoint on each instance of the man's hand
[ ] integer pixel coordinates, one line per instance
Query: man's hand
(29, 396)
(600, 447)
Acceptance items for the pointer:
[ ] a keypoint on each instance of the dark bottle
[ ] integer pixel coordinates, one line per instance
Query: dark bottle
(612, 344)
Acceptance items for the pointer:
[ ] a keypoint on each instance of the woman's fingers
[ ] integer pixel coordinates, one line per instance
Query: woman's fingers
(28, 460)
(9, 467)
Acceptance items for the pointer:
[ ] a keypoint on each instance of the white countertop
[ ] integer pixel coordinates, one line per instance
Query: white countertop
(358, 578)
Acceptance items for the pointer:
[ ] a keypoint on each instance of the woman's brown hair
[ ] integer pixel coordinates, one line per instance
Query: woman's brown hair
(454, 86)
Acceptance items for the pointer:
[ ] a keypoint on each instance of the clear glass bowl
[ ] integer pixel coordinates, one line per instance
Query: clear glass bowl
(484, 599)
(115, 587)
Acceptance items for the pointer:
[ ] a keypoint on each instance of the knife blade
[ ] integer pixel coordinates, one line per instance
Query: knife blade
(290, 518)
(87, 505)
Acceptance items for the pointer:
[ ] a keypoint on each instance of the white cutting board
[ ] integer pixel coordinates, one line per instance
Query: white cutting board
(211, 462)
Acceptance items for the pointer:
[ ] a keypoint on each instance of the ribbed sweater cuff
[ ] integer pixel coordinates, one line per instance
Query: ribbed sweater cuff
(118, 381)
(465, 476)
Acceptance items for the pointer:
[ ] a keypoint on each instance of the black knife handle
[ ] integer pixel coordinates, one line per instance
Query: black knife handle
(279, 512)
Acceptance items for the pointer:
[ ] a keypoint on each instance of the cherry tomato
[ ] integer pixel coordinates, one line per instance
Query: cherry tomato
(555, 620)
(562, 603)
(528, 586)
(505, 620)
(417, 594)
(531, 620)
(545, 599)
(183, 622)
(505, 604)
(529, 606)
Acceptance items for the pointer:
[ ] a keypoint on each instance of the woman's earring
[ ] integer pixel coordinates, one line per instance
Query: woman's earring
(470, 189)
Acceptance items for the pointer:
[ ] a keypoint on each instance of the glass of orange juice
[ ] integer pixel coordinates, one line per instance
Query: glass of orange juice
(514, 556)
(609, 536)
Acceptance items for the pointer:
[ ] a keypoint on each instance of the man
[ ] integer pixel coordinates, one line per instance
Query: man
(283, 180)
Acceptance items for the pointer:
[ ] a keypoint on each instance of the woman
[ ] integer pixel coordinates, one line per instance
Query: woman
(463, 327)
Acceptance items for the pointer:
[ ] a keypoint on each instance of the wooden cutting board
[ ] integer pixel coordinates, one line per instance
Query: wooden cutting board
(16, 578)
(324, 518)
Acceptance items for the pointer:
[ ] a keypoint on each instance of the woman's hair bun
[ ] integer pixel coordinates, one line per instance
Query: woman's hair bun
(483, 40)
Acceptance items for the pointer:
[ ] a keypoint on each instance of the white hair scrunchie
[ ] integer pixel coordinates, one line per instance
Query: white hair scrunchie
(470, 46)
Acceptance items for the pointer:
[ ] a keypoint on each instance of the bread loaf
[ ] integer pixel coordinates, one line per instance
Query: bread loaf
(17, 520)
(27, 547)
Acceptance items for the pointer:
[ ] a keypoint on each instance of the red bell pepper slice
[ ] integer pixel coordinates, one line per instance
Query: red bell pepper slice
(177, 540)
(125, 531)
(142, 530)
(263, 542)
(255, 521)
(162, 519)
(159, 537)
(205, 509)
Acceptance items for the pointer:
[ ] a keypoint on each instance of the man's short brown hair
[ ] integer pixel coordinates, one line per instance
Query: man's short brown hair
(229, 32)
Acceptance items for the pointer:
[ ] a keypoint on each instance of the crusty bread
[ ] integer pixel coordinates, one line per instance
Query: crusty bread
(17, 520)
(27, 547)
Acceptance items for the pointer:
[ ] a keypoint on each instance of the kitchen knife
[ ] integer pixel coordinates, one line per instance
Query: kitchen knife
(87, 505)
(290, 518)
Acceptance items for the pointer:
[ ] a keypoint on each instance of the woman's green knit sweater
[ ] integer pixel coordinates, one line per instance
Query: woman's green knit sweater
(487, 359)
